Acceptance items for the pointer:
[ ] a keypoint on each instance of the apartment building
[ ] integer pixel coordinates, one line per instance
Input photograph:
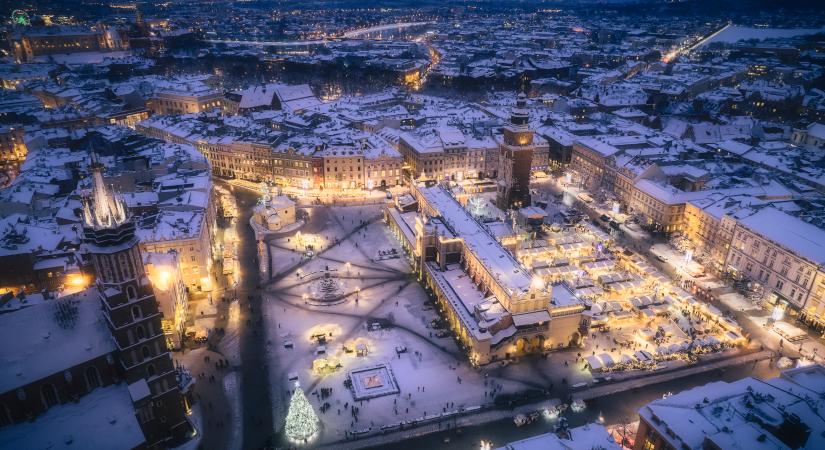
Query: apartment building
(446, 152)
(185, 233)
(781, 252)
(590, 161)
(343, 168)
(382, 168)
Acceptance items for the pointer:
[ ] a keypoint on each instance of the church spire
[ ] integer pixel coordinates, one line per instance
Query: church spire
(103, 209)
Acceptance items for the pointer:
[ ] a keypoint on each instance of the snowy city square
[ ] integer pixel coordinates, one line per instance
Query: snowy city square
(395, 225)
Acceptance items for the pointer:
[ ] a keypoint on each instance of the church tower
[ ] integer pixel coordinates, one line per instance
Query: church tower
(516, 159)
(132, 315)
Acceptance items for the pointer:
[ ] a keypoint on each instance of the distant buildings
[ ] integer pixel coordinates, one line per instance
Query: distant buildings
(286, 152)
(30, 44)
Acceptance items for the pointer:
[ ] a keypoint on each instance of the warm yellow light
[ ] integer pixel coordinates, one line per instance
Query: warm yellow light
(77, 280)
(160, 278)
(537, 283)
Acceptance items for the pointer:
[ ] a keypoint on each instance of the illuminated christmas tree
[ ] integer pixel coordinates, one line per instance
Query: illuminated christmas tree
(301, 420)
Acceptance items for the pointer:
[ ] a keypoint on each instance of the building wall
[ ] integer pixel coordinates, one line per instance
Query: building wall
(343, 172)
(786, 275)
(454, 163)
(13, 149)
(31, 400)
(589, 165)
(28, 47)
(662, 216)
(648, 438)
(194, 253)
(170, 292)
(185, 103)
(382, 171)
(709, 235)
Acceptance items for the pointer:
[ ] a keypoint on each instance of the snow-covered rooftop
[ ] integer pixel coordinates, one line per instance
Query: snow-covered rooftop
(49, 337)
(103, 419)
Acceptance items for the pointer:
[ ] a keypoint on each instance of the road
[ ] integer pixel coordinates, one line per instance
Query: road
(689, 47)
(255, 401)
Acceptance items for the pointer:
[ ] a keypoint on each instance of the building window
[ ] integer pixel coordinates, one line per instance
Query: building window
(141, 333)
(92, 378)
(145, 352)
(150, 371)
(131, 292)
(49, 395)
(145, 414)
(136, 312)
(5, 415)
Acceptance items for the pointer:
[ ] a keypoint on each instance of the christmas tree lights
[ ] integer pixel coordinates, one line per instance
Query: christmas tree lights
(301, 420)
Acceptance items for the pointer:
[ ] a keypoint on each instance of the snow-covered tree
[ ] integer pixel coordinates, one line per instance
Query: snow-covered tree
(301, 420)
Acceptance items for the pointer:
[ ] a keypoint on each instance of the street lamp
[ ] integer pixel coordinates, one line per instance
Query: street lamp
(357, 293)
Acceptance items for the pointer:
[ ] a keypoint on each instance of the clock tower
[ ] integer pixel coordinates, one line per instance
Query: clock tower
(515, 158)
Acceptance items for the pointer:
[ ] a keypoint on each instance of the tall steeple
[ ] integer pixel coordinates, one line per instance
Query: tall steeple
(132, 313)
(103, 209)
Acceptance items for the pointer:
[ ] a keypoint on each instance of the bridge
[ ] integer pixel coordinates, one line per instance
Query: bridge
(297, 43)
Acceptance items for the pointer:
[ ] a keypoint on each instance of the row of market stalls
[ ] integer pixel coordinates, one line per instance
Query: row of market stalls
(658, 327)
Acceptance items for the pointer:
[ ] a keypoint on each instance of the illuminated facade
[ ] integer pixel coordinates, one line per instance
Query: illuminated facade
(163, 270)
(186, 102)
(496, 308)
(764, 253)
(30, 44)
